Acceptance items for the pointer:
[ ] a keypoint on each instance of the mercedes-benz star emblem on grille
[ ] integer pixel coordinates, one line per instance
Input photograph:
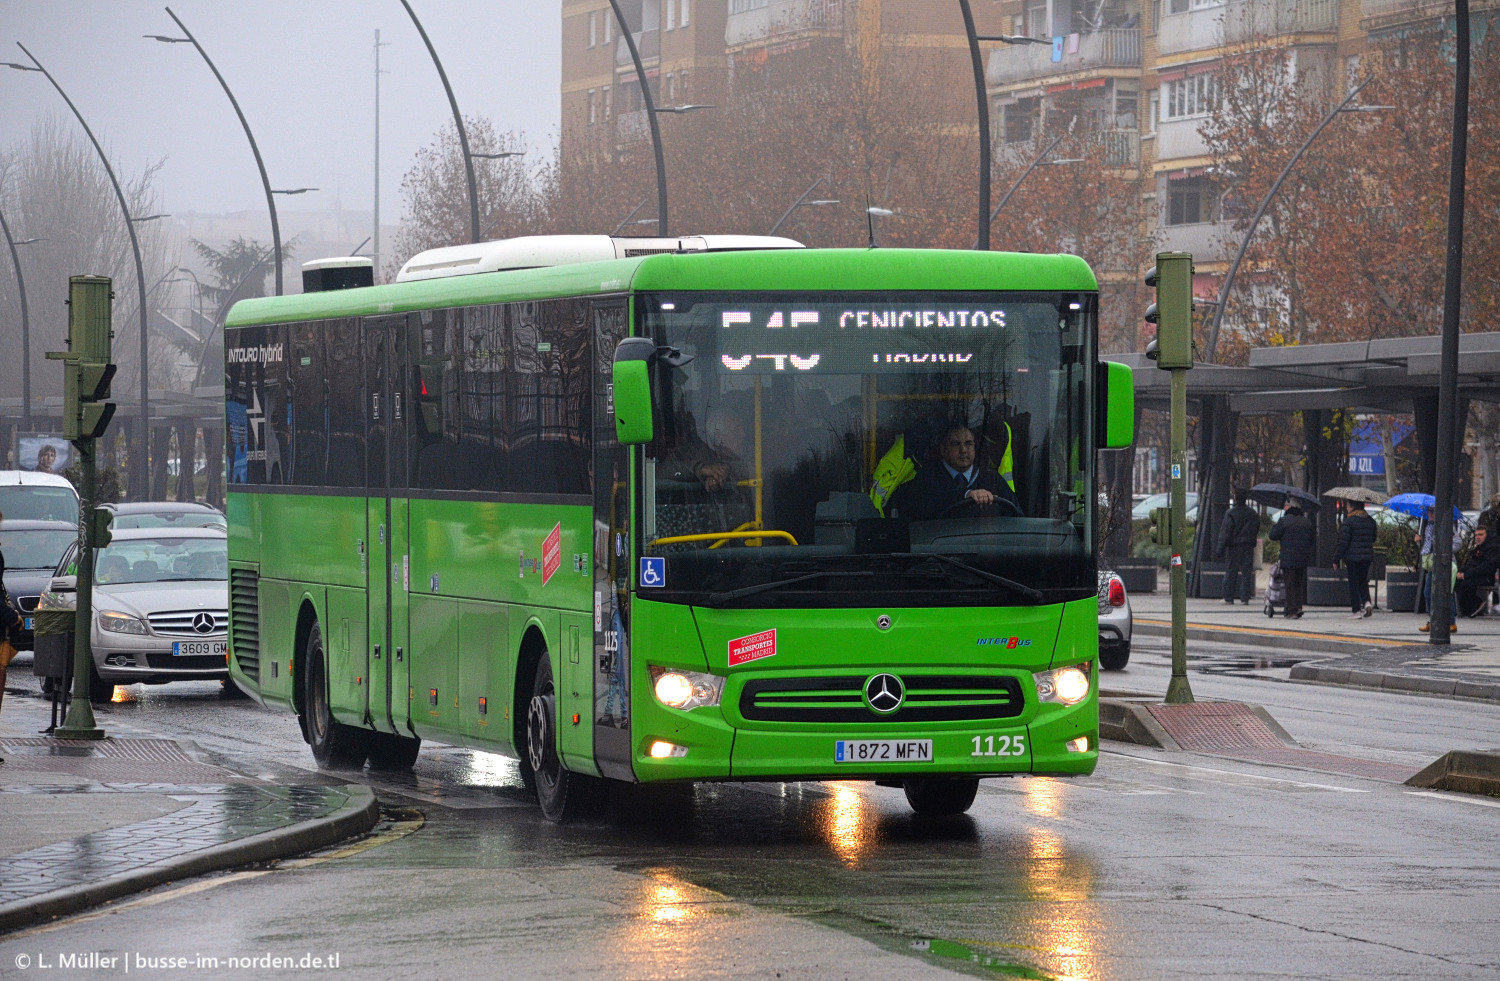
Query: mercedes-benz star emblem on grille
(883, 622)
(884, 693)
(203, 623)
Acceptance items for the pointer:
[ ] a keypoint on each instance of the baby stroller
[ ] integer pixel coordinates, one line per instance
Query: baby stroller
(1275, 591)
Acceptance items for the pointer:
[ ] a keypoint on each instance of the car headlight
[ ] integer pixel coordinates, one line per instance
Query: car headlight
(121, 623)
(685, 689)
(1066, 686)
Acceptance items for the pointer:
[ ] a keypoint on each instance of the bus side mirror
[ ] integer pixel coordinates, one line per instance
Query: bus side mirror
(1116, 400)
(632, 391)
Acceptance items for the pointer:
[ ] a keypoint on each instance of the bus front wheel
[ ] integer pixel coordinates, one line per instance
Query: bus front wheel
(940, 796)
(562, 794)
(334, 745)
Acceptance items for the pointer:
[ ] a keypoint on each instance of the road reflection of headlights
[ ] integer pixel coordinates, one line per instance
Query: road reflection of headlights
(1066, 686)
(685, 689)
(121, 623)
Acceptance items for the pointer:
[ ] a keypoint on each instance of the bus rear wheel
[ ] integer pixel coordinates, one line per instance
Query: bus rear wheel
(563, 795)
(940, 796)
(334, 745)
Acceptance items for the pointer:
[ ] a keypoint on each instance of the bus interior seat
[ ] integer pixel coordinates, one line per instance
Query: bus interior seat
(835, 519)
(144, 571)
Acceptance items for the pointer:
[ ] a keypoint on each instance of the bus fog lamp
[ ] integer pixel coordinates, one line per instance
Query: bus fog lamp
(661, 750)
(1065, 686)
(1079, 745)
(685, 689)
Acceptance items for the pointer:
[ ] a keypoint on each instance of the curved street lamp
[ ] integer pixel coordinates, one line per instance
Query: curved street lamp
(259, 163)
(1234, 267)
(801, 202)
(15, 258)
(141, 467)
(458, 121)
(640, 74)
(982, 240)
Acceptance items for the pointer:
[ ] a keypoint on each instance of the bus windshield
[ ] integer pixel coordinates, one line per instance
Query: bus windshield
(840, 449)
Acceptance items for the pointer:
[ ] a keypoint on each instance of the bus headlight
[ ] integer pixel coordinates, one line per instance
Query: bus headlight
(1066, 686)
(121, 623)
(685, 689)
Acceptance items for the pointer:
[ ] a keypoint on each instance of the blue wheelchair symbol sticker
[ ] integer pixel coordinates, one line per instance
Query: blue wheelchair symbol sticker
(653, 572)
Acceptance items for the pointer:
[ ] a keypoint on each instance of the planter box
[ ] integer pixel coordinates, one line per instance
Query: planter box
(1210, 580)
(1139, 575)
(1403, 590)
(1327, 587)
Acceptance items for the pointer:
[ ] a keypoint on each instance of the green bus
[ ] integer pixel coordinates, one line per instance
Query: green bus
(703, 509)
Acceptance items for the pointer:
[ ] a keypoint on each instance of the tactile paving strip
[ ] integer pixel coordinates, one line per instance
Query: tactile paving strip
(113, 761)
(1211, 726)
(157, 750)
(1326, 763)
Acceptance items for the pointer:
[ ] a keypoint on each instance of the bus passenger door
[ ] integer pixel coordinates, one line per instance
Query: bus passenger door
(384, 574)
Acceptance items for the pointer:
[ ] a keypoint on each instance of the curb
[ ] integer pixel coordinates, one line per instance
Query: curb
(1278, 639)
(1125, 718)
(1465, 772)
(355, 817)
(1420, 684)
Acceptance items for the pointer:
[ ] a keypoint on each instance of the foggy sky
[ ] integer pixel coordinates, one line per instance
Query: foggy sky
(303, 72)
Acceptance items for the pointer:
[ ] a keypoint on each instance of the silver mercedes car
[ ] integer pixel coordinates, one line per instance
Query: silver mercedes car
(161, 607)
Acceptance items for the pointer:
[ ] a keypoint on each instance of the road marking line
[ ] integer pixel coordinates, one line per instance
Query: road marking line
(1456, 799)
(1236, 773)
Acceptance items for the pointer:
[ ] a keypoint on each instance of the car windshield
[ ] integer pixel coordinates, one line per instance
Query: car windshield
(810, 448)
(35, 548)
(30, 502)
(162, 560)
(170, 519)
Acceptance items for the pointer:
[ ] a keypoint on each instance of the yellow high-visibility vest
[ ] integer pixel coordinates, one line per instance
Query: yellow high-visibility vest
(896, 468)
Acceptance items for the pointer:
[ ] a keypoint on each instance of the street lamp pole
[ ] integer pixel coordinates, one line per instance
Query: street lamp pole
(259, 163)
(640, 74)
(15, 258)
(982, 241)
(797, 204)
(1213, 332)
(458, 120)
(142, 466)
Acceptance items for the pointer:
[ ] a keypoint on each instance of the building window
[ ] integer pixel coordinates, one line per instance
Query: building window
(671, 14)
(593, 107)
(1153, 111)
(1018, 121)
(609, 107)
(671, 89)
(1191, 201)
(1351, 73)
(685, 6)
(682, 84)
(609, 26)
(593, 28)
(1183, 6)
(1193, 96)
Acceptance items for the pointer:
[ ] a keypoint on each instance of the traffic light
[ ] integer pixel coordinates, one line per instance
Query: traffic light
(87, 370)
(1161, 526)
(101, 531)
(1172, 278)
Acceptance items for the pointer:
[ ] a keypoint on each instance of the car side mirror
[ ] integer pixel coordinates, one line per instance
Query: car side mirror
(64, 584)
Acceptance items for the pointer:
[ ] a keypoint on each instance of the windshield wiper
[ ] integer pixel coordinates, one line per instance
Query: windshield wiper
(716, 599)
(1034, 595)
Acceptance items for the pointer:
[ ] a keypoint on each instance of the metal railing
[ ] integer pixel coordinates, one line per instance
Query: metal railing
(647, 42)
(1117, 48)
(1208, 241)
(783, 17)
(1242, 20)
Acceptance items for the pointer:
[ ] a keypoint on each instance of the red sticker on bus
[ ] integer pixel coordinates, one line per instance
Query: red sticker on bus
(753, 647)
(552, 553)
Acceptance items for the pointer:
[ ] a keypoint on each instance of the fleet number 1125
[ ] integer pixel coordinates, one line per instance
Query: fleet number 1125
(999, 746)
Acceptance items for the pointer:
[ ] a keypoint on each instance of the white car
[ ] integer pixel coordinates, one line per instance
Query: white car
(161, 607)
(1115, 621)
(31, 496)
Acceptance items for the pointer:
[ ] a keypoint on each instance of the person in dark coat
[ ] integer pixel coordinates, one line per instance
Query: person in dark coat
(938, 492)
(1237, 534)
(1297, 535)
(1477, 577)
(1356, 549)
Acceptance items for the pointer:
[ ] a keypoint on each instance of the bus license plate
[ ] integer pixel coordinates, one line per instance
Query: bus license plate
(198, 648)
(882, 751)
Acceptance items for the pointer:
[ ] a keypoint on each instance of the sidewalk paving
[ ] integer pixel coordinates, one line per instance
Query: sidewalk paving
(1385, 650)
(89, 821)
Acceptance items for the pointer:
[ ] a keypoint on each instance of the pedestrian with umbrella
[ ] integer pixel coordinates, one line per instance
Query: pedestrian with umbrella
(1424, 506)
(1356, 549)
(1297, 535)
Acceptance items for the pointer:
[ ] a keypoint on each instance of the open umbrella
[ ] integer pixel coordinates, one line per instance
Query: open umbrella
(1417, 505)
(1362, 494)
(1275, 495)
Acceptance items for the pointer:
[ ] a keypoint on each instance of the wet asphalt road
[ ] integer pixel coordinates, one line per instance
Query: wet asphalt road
(1160, 865)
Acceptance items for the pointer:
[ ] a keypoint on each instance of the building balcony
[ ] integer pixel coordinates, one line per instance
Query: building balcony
(1012, 63)
(649, 43)
(1179, 138)
(1381, 14)
(782, 20)
(1242, 21)
(1209, 241)
(1122, 149)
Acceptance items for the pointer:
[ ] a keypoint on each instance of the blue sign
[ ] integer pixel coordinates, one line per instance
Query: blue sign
(653, 571)
(1057, 48)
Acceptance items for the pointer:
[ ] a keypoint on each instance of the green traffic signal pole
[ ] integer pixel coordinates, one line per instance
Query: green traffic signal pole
(89, 305)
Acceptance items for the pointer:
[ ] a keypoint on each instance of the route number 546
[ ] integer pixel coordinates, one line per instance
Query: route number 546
(999, 746)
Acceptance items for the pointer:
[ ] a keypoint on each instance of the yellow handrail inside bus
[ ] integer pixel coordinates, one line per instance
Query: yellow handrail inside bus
(724, 535)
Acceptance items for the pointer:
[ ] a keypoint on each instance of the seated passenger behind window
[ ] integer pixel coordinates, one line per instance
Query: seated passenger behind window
(956, 486)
